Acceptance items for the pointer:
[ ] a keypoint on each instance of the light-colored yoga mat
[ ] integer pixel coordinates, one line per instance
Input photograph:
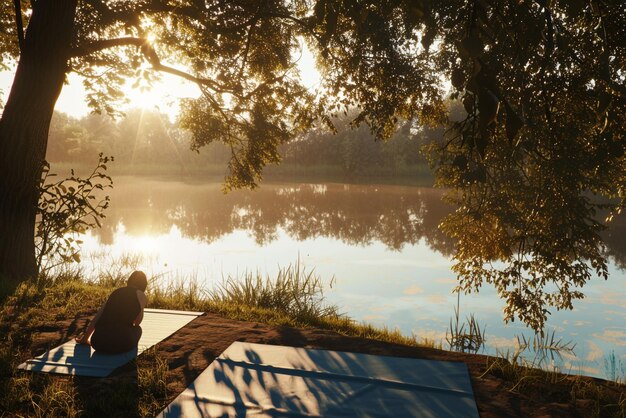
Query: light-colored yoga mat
(267, 381)
(82, 360)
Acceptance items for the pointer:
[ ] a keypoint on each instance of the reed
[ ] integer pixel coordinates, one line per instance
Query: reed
(460, 338)
(615, 369)
(544, 346)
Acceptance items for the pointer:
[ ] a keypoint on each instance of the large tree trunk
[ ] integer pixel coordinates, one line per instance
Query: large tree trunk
(24, 128)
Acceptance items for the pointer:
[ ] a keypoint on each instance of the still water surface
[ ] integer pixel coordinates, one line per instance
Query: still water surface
(391, 265)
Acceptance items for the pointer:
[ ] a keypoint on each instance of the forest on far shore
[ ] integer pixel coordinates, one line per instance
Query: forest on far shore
(148, 142)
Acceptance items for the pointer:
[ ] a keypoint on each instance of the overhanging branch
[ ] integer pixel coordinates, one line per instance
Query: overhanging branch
(148, 52)
(101, 44)
(152, 57)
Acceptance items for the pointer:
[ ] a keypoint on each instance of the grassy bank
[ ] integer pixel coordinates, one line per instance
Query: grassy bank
(293, 298)
(61, 303)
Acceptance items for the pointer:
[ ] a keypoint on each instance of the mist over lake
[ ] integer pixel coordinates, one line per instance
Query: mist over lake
(377, 247)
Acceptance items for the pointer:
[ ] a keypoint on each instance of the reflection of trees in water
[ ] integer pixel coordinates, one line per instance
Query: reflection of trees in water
(355, 214)
(615, 239)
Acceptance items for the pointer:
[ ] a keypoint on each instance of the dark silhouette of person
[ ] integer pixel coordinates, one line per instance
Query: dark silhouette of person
(115, 328)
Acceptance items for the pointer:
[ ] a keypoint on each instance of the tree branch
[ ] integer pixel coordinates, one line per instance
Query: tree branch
(153, 58)
(101, 44)
(246, 49)
(149, 53)
(19, 24)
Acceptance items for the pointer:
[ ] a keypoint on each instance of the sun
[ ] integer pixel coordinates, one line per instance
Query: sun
(163, 95)
(145, 97)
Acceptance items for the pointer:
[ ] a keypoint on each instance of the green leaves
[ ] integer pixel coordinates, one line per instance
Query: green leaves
(542, 131)
(67, 208)
(520, 176)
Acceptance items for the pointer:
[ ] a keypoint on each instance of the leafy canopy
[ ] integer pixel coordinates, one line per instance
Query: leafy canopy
(539, 153)
(539, 160)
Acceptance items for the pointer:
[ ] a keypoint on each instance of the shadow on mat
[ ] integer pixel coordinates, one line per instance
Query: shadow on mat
(253, 380)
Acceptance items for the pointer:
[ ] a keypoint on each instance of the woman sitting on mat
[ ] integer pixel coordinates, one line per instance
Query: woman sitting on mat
(115, 327)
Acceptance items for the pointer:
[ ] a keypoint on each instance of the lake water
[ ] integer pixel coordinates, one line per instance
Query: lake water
(390, 263)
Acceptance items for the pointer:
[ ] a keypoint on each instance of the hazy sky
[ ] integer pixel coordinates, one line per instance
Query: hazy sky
(164, 95)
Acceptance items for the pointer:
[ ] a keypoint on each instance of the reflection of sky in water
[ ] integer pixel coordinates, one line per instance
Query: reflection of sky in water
(410, 289)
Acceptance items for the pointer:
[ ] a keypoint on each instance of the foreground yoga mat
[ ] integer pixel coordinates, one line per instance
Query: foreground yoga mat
(82, 360)
(267, 381)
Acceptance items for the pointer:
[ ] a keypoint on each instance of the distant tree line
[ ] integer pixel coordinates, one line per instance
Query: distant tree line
(139, 137)
(355, 150)
(149, 138)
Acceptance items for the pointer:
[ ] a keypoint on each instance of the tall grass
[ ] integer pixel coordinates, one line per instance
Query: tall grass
(460, 338)
(177, 293)
(294, 292)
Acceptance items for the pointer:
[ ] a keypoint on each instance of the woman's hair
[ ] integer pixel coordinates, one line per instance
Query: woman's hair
(138, 280)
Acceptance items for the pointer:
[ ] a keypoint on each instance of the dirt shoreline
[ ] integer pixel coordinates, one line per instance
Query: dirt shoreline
(191, 349)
